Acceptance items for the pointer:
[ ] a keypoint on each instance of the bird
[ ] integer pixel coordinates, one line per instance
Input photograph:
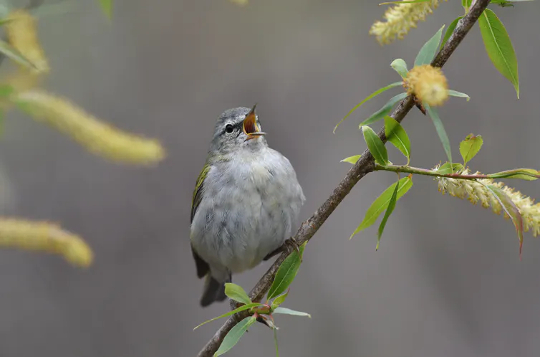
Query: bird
(246, 202)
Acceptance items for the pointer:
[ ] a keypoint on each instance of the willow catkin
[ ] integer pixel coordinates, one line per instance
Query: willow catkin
(45, 237)
(22, 35)
(400, 19)
(96, 136)
(428, 84)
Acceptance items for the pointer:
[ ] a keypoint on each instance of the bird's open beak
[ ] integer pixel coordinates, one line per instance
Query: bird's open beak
(251, 129)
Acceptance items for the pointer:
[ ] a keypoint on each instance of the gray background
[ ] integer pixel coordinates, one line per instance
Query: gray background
(447, 280)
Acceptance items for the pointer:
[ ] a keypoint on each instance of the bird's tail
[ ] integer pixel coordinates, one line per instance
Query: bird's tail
(213, 291)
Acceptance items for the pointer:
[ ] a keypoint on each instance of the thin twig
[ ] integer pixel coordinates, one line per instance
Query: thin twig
(362, 167)
(425, 172)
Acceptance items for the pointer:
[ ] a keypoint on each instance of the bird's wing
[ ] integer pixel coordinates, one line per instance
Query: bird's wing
(197, 193)
(202, 267)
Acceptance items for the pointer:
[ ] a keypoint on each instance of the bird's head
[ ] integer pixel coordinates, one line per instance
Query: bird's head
(238, 128)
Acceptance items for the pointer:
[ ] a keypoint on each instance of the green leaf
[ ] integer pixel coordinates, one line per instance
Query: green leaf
(230, 313)
(428, 51)
(470, 147)
(375, 146)
(385, 110)
(276, 341)
(106, 6)
(397, 136)
(279, 300)
(285, 311)
(449, 168)
(13, 54)
(6, 90)
(440, 130)
(511, 211)
(449, 31)
(382, 202)
(234, 335)
(237, 293)
(455, 93)
(286, 273)
(400, 66)
(371, 96)
(499, 47)
(352, 159)
(524, 174)
(389, 210)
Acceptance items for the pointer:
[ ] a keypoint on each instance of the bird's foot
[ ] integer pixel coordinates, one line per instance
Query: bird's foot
(234, 304)
(289, 244)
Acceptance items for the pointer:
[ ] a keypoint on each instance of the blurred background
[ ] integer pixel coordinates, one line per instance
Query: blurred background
(447, 280)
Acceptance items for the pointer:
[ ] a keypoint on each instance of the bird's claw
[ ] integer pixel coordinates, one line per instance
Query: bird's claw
(292, 244)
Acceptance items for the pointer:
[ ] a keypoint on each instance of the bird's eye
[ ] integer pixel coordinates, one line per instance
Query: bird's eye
(229, 128)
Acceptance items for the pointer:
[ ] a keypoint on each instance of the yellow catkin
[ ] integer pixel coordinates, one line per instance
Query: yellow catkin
(96, 136)
(400, 19)
(476, 192)
(45, 237)
(22, 35)
(428, 84)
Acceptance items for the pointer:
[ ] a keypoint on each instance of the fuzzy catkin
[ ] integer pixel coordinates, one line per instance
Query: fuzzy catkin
(475, 191)
(400, 19)
(96, 136)
(46, 237)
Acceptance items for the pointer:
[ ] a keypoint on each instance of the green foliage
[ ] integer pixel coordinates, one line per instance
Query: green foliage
(382, 202)
(375, 145)
(397, 136)
(385, 110)
(449, 31)
(237, 293)
(449, 168)
(499, 47)
(511, 210)
(389, 210)
(286, 273)
(470, 147)
(230, 313)
(352, 159)
(428, 51)
(439, 127)
(371, 96)
(7, 50)
(400, 66)
(285, 311)
(523, 174)
(455, 93)
(234, 335)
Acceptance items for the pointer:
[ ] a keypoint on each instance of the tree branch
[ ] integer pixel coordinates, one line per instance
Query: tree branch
(362, 167)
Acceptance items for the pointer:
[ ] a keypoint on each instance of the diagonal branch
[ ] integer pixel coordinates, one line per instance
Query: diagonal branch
(365, 165)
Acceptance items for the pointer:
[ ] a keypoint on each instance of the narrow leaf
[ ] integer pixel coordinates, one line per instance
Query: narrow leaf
(234, 335)
(397, 136)
(450, 168)
(389, 210)
(375, 146)
(352, 159)
(276, 341)
(106, 7)
(524, 174)
(237, 293)
(449, 31)
(470, 147)
(13, 54)
(286, 273)
(499, 47)
(385, 110)
(428, 51)
(285, 311)
(511, 210)
(455, 93)
(400, 66)
(230, 313)
(434, 114)
(371, 96)
(381, 203)
(279, 300)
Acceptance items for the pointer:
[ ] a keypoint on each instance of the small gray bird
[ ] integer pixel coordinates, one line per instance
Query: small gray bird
(245, 204)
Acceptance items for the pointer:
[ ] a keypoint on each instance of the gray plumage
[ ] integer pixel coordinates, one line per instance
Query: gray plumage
(245, 205)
